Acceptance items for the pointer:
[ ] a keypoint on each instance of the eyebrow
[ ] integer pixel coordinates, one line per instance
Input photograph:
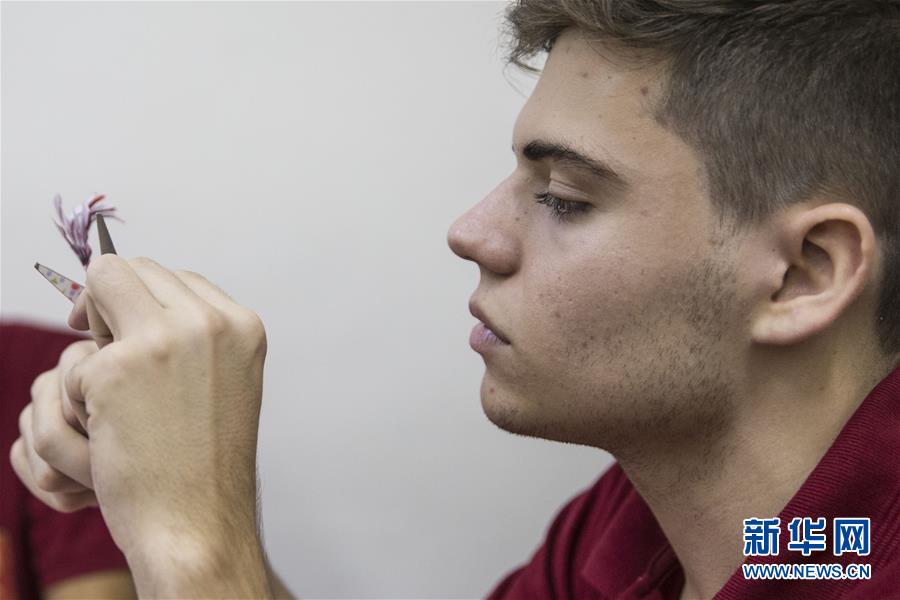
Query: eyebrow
(537, 150)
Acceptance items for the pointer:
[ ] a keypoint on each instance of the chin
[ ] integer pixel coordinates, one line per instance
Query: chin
(519, 415)
(502, 408)
(502, 413)
(557, 419)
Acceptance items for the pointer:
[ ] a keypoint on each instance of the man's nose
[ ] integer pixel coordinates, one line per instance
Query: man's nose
(487, 234)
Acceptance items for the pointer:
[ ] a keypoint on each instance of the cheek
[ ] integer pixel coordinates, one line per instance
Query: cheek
(572, 309)
(594, 310)
(602, 299)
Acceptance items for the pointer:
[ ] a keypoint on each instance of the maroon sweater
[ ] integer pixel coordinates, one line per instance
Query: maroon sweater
(606, 543)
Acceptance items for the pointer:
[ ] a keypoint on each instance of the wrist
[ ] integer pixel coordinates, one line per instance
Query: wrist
(215, 564)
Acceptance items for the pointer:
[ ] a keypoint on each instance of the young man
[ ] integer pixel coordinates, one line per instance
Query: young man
(695, 265)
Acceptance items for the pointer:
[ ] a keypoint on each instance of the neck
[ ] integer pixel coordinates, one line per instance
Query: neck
(778, 430)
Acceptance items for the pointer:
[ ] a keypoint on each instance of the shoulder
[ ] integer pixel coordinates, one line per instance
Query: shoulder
(599, 504)
(554, 569)
(611, 489)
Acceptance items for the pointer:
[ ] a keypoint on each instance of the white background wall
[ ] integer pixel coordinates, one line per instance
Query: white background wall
(309, 158)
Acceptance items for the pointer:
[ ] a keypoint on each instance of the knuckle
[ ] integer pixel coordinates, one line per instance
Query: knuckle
(17, 456)
(21, 463)
(207, 322)
(15, 449)
(69, 377)
(68, 503)
(40, 382)
(185, 274)
(144, 262)
(71, 381)
(104, 371)
(24, 420)
(101, 267)
(78, 378)
(158, 344)
(69, 353)
(48, 479)
(43, 440)
(253, 330)
(69, 414)
(114, 357)
(76, 351)
(214, 322)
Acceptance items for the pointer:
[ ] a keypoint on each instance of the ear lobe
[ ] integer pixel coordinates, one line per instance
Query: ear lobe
(829, 254)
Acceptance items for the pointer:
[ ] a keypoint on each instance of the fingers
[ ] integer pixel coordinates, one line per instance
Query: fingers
(41, 474)
(85, 316)
(74, 413)
(50, 457)
(74, 381)
(100, 331)
(50, 439)
(122, 300)
(56, 443)
(61, 501)
(107, 295)
(206, 290)
(78, 318)
(247, 320)
(168, 289)
(76, 418)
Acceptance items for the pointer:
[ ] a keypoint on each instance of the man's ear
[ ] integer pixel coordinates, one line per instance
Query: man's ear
(825, 257)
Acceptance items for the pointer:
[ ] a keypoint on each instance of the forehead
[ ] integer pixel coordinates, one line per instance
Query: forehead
(598, 101)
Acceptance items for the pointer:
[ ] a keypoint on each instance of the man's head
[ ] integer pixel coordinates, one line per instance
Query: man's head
(743, 208)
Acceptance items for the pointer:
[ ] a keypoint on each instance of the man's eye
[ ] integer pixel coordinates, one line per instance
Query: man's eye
(561, 209)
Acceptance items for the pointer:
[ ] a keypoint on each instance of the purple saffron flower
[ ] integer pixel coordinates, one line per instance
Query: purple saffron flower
(75, 227)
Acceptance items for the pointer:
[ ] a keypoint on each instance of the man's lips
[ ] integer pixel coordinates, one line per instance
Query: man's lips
(479, 314)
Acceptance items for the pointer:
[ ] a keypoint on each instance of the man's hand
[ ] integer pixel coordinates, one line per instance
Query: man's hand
(170, 403)
(51, 456)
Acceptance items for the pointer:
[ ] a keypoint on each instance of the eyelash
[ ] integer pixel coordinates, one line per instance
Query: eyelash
(563, 210)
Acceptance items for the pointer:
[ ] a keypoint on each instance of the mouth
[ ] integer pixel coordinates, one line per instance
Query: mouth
(486, 332)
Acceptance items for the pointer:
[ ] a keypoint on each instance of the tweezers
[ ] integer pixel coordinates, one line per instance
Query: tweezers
(69, 288)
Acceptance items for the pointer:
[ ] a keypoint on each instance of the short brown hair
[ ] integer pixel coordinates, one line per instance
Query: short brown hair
(781, 98)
